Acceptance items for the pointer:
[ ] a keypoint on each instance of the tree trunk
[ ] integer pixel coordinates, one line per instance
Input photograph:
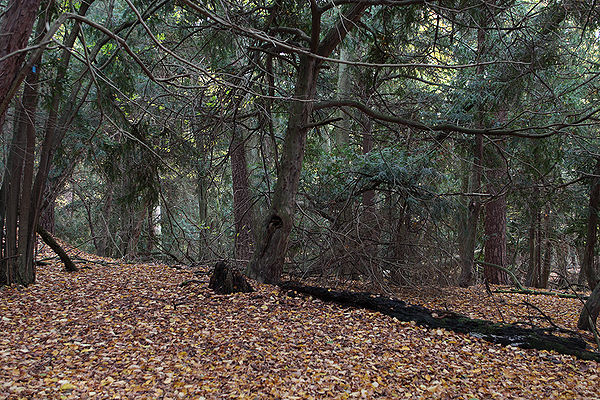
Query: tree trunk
(468, 235)
(267, 262)
(15, 195)
(469, 224)
(273, 234)
(47, 216)
(590, 310)
(243, 211)
(495, 243)
(587, 266)
(31, 197)
(26, 232)
(534, 273)
(547, 245)
(15, 30)
(341, 132)
(495, 219)
(62, 254)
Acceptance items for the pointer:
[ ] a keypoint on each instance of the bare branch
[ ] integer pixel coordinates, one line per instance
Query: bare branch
(447, 127)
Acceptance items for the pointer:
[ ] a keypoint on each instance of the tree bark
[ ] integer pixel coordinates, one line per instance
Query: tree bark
(469, 224)
(47, 215)
(243, 211)
(57, 248)
(341, 132)
(534, 273)
(15, 195)
(495, 220)
(273, 234)
(590, 311)
(267, 262)
(15, 29)
(34, 195)
(29, 107)
(587, 266)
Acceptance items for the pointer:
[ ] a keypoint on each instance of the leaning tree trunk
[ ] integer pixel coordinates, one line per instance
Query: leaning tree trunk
(57, 248)
(590, 311)
(273, 234)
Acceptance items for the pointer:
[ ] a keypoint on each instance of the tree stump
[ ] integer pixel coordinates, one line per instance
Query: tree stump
(227, 280)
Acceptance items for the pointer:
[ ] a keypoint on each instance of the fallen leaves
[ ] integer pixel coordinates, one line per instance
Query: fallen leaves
(130, 331)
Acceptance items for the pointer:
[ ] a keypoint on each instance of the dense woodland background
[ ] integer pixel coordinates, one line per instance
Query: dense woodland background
(396, 141)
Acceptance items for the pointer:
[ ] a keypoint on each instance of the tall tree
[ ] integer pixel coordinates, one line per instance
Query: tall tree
(15, 29)
(15, 194)
(468, 229)
(273, 234)
(588, 267)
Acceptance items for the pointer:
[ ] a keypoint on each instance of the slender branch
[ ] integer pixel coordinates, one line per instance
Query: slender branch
(263, 37)
(501, 268)
(321, 123)
(447, 127)
(294, 31)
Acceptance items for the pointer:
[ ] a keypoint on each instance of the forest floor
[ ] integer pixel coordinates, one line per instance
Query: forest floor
(123, 331)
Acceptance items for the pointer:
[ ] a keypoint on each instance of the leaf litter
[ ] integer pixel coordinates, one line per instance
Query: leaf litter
(130, 331)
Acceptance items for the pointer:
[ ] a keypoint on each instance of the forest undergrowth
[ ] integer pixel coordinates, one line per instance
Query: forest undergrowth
(117, 330)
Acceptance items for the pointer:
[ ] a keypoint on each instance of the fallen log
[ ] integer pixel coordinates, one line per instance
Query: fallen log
(505, 334)
(542, 293)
